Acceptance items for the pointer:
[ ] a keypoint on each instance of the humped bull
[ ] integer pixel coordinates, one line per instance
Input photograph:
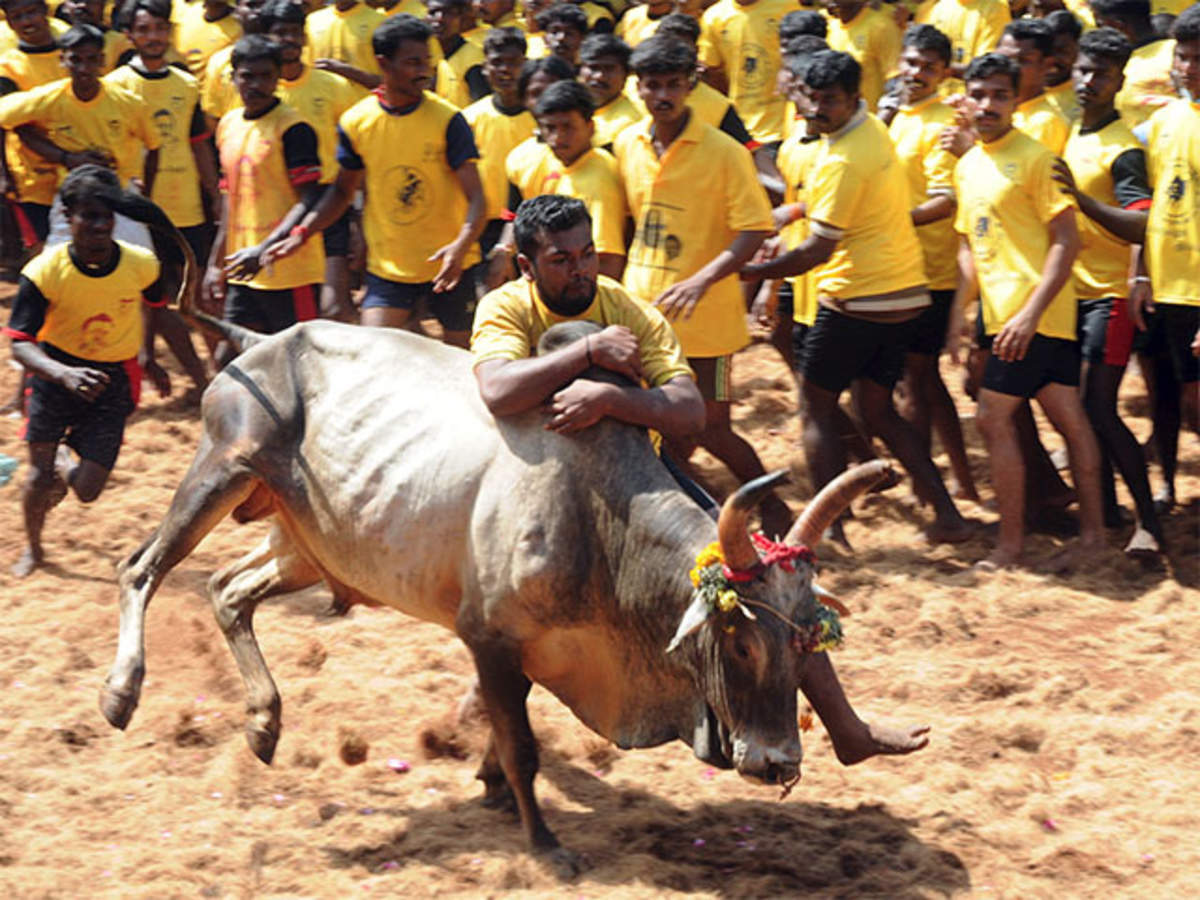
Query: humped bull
(558, 560)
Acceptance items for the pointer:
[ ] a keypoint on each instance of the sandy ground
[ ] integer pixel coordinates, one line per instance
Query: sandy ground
(1064, 715)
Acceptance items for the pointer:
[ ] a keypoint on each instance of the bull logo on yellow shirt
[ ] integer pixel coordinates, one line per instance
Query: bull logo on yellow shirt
(756, 67)
(94, 333)
(409, 193)
(1176, 189)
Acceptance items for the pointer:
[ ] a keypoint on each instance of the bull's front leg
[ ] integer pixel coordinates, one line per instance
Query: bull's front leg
(505, 688)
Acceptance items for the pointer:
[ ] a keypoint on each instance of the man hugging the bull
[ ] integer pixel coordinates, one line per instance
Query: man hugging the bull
(560, 282)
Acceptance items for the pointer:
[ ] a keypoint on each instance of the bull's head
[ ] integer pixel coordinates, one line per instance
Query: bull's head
(751, 649)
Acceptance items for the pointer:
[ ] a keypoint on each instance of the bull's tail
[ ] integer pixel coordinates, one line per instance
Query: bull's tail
(143, 210)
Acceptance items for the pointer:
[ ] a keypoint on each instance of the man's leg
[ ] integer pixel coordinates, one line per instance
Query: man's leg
(824, 450)
(178, 338)
(45, 487)
(1061, 404)
(853, 739)
(995, 420)
(335, 293)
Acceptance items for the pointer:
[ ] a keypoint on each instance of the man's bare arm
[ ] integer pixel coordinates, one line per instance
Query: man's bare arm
(811, 253)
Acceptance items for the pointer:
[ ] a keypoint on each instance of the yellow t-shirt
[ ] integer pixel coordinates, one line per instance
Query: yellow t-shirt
(510, 321)
(859, 196)
(613, 118)
(217, 93)
(497, 133)
(477, 34)
(333, 34)
(415, 205)
(1041, 119)
(709, 105)
(261, 191)
(1006, 199)
(797, 155)
(1062, 96)
(115, 43)
(35, 178)
(171, 96)
(10, 41)
(1102, 267)
(93, 317)
(973, 26)
(452, 74)
(930, 172)
(592, 178)
(321, 98)
(744, 42)
(113, 122)
(1173, 231)
(1148, 84)
(595, 13)
(873, 39)
(688, 207)
(197, 39)
(636, 25)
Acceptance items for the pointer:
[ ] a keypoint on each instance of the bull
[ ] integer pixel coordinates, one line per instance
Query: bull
(558, 560)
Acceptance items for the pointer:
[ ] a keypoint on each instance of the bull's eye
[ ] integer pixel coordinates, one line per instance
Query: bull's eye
(741, 650)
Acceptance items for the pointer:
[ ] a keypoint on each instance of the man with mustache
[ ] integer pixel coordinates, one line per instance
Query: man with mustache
(1018, 242)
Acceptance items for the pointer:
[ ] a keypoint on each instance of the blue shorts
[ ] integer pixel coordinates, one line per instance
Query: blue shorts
(454, 310)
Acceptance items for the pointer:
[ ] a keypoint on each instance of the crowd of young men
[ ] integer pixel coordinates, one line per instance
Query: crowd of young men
(862, 177)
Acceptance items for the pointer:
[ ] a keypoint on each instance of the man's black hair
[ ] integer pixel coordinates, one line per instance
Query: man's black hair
(1063, 21)
(831, 68)
(563, 14)
(6, 4)
(253, 48)
(499, 40)
(283, 12)
(598, 46)
(554, 66)
(662, 55)
(1186, 26)
(91, 183)
(458, 5)
(679, 25)
(800, 22)
(81, 36)
(799, 53)
(395, 30)
(928, 39)
(546, 213)
(1034, 30)
(1106, 45)
(565, 96)
(159, 9)
(1131, 12)
(990, 64)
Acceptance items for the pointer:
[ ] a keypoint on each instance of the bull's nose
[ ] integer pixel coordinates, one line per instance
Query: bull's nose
(770, 764)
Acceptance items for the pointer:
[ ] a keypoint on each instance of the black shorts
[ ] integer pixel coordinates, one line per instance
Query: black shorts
(93, 430)
(38, 215)
(270, 311)
(1048, 360)
(785, 308)
(454, 310)
(983, 340)
(839, 349)
(799, 341)
(929, 328)
(491, 236)
(1105, 331)
(337, 236)
(199, 238)
(714, 377)
(1169, 332)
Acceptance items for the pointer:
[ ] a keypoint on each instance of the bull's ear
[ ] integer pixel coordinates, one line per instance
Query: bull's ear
(697, 614)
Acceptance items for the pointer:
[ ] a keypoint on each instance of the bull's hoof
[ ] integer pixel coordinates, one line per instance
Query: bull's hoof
(567, 864)
(117, 707)
(262, 742)
(500, 797)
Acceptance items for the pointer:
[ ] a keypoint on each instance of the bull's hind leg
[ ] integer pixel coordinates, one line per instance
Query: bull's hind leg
(273, 567)
(213, 486)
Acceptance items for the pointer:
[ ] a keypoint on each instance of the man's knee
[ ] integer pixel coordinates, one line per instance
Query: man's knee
(88, 480)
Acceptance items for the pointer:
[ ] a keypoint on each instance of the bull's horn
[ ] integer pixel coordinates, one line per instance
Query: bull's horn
(732, 528)
(828, 599)
(833, 499)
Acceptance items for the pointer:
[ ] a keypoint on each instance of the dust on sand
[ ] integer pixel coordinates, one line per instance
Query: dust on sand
(1064, 712)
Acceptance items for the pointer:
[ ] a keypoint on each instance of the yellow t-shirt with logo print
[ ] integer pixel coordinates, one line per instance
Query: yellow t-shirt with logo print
(974, 27)
(1006, 200)
(510, 321)
(744, 42)
(688, 207)
(916, 131)
(415, 205)
(113, 122)
(593, 178)
(1173, 230)
(497, 133)
(97, 318)
(873, 39)
(33, 176)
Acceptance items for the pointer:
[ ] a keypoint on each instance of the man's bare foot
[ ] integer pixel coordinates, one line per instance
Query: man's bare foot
(878, 740)
(28, 562)
(953, 531)
(1143, 543)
